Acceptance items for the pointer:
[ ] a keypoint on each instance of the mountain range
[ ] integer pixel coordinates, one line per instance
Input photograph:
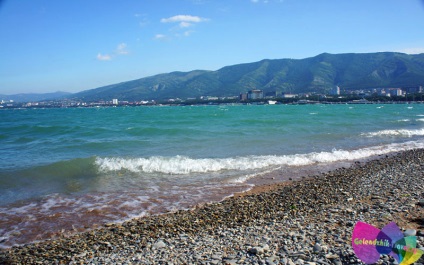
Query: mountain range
(350, 71)
(28, 97)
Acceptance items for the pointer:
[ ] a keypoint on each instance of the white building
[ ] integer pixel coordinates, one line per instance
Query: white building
(396, 92)
(115, 101)
(335, 91)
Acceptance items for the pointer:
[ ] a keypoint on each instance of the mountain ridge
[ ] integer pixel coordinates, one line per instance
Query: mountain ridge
(27, 97)
(314, 74)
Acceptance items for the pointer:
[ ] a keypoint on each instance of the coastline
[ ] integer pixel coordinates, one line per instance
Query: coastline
(308, 220)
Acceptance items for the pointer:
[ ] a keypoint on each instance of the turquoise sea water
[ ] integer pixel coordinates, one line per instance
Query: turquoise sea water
(67, 169)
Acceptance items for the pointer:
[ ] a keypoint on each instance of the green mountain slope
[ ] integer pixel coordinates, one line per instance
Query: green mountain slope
(315, 74)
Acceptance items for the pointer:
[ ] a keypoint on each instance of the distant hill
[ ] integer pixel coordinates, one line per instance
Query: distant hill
(34, 97)
(316, 74)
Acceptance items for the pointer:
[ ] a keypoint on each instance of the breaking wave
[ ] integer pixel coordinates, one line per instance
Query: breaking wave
(186, 165)
(400, 132)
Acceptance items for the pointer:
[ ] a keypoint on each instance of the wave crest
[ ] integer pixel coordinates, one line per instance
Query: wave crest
(400, 132)
(186, 165)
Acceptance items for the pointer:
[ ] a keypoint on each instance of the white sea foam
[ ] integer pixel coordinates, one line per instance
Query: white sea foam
(400, 132)
(186, 165)
(244, 178)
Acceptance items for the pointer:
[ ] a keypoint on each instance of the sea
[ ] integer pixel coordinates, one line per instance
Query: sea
(69, 170)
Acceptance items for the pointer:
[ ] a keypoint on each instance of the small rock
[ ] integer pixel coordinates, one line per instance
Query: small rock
(265, 247)
(290, 262)
(332, 256)
(159, 244)
(216, 257)
(256, 250)
(350, 224)
(410, 232)
(317, 248)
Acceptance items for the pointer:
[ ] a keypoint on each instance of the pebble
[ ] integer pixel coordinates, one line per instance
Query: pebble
(410, 232)
(306, 222)
(317, 248)
(159, 244)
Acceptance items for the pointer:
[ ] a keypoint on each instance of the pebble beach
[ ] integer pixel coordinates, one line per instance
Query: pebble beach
(308, 221)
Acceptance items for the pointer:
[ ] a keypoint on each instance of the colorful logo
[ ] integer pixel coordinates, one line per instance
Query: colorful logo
(369, 242)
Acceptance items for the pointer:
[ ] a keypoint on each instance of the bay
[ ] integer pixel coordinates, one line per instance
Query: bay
(68, 169)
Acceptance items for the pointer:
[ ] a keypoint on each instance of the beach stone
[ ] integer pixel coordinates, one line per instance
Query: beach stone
(410, 232)
(159, 244)
(265, 248)
(256, 250)
(290, 262)
(332, 256)
(317, 248)
(350, 224)
(270, 262)
(255, 229)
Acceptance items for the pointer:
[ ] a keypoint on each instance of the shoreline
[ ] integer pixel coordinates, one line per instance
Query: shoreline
(317, 210)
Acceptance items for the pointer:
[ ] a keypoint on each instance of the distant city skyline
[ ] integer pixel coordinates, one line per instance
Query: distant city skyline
(72, 46)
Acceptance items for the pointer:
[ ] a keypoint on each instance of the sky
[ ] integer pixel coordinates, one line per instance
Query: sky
(75, 45)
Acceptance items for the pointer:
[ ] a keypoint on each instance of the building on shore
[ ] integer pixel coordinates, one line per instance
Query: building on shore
(243, 96)
(271, 94)
(288, 95)
(335, 91)
(414, 89)
(255, 94)
(396, 92)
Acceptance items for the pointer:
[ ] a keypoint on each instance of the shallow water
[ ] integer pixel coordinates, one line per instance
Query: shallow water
(68, 169)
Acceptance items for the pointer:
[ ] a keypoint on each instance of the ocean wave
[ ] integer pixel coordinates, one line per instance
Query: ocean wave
(185, 165)
(400, 132)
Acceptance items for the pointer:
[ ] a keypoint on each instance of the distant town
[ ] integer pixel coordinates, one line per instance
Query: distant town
(254, 96)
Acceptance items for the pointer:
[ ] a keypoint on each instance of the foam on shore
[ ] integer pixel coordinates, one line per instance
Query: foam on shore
(326, 207)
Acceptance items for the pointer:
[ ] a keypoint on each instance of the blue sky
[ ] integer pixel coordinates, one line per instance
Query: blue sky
(75, 45)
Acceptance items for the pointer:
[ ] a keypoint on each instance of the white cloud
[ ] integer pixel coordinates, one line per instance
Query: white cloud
(122, 49)
(160, 37)
(185, 24)
(188, 33)
(104, 57)
(183, 18)
(142, 19)
(184, 34)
